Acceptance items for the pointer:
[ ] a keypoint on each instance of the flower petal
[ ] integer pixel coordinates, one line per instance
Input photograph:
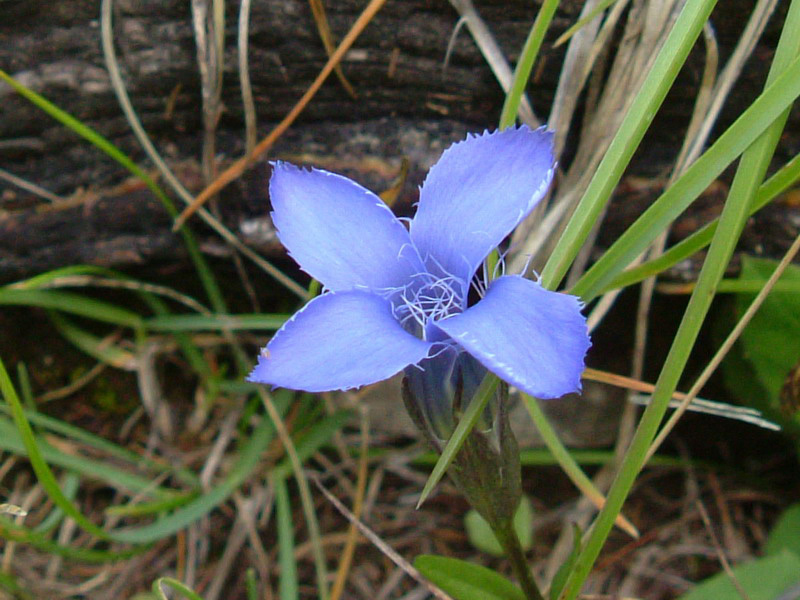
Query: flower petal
(533, 338)
(339, 232)
(338, 341)
(477, 193)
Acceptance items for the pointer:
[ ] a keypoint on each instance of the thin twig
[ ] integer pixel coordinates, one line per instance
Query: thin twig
(379, 543)
(305, 492)
(492, 53)
(358, 504)
(37, 190)
(124, 100)
(248, 104)
(723, 560)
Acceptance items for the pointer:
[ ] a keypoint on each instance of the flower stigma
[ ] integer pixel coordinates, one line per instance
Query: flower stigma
(427, 299)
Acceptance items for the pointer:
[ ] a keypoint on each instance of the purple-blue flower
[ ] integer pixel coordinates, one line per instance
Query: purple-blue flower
(396, 296)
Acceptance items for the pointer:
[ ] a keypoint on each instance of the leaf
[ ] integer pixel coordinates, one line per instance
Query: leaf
(466, 581)
(465, 425)
(560, 578)
(771, 342)
(481, 536)
(763, 579)
(786, 533)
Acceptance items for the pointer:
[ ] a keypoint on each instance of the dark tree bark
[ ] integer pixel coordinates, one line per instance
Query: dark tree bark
(408, 105)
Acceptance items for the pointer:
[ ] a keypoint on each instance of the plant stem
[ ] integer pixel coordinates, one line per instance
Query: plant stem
(508, 539)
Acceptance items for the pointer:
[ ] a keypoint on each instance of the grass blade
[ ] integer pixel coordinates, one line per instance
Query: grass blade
(465, 424)
(69, 302)
(671, 57)
(39, 465)
(288, 586)
(749, 175)
(769, 190)
(770, 107)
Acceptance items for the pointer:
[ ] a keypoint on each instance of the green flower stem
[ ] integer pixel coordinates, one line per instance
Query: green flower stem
(510, 542)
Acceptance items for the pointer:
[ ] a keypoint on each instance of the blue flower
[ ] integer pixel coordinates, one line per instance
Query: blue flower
(397, 297)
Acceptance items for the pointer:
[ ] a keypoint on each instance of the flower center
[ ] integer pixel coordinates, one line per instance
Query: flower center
(426, 300)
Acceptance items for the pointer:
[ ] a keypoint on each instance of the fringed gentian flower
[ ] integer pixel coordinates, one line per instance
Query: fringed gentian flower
(397, 298)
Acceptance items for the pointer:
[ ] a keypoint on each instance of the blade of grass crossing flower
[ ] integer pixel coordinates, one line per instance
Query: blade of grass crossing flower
(288, 587)
(769, 190)
(522, 72)
(465, 424)
(40, 467)
(670, 58)
(750, 173)
(770, 106)
(203, 270)
(569, 465)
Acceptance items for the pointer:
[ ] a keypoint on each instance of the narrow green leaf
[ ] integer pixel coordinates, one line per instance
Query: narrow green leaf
(43, 473)
(648, 99)
(216, 322)
(465, 580)
(174, 585)
(44, 279)
(72, 303)
(581, 23)
(142, 509)
(288, 585)
(249, 458)
(766, 578)
(481, 535)
(63, 117)
(766, 109)
(94, 346)
(560, 578)
(465, 425)
(769, 190)
(785, 533)
(522, 72)
(16, 533)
